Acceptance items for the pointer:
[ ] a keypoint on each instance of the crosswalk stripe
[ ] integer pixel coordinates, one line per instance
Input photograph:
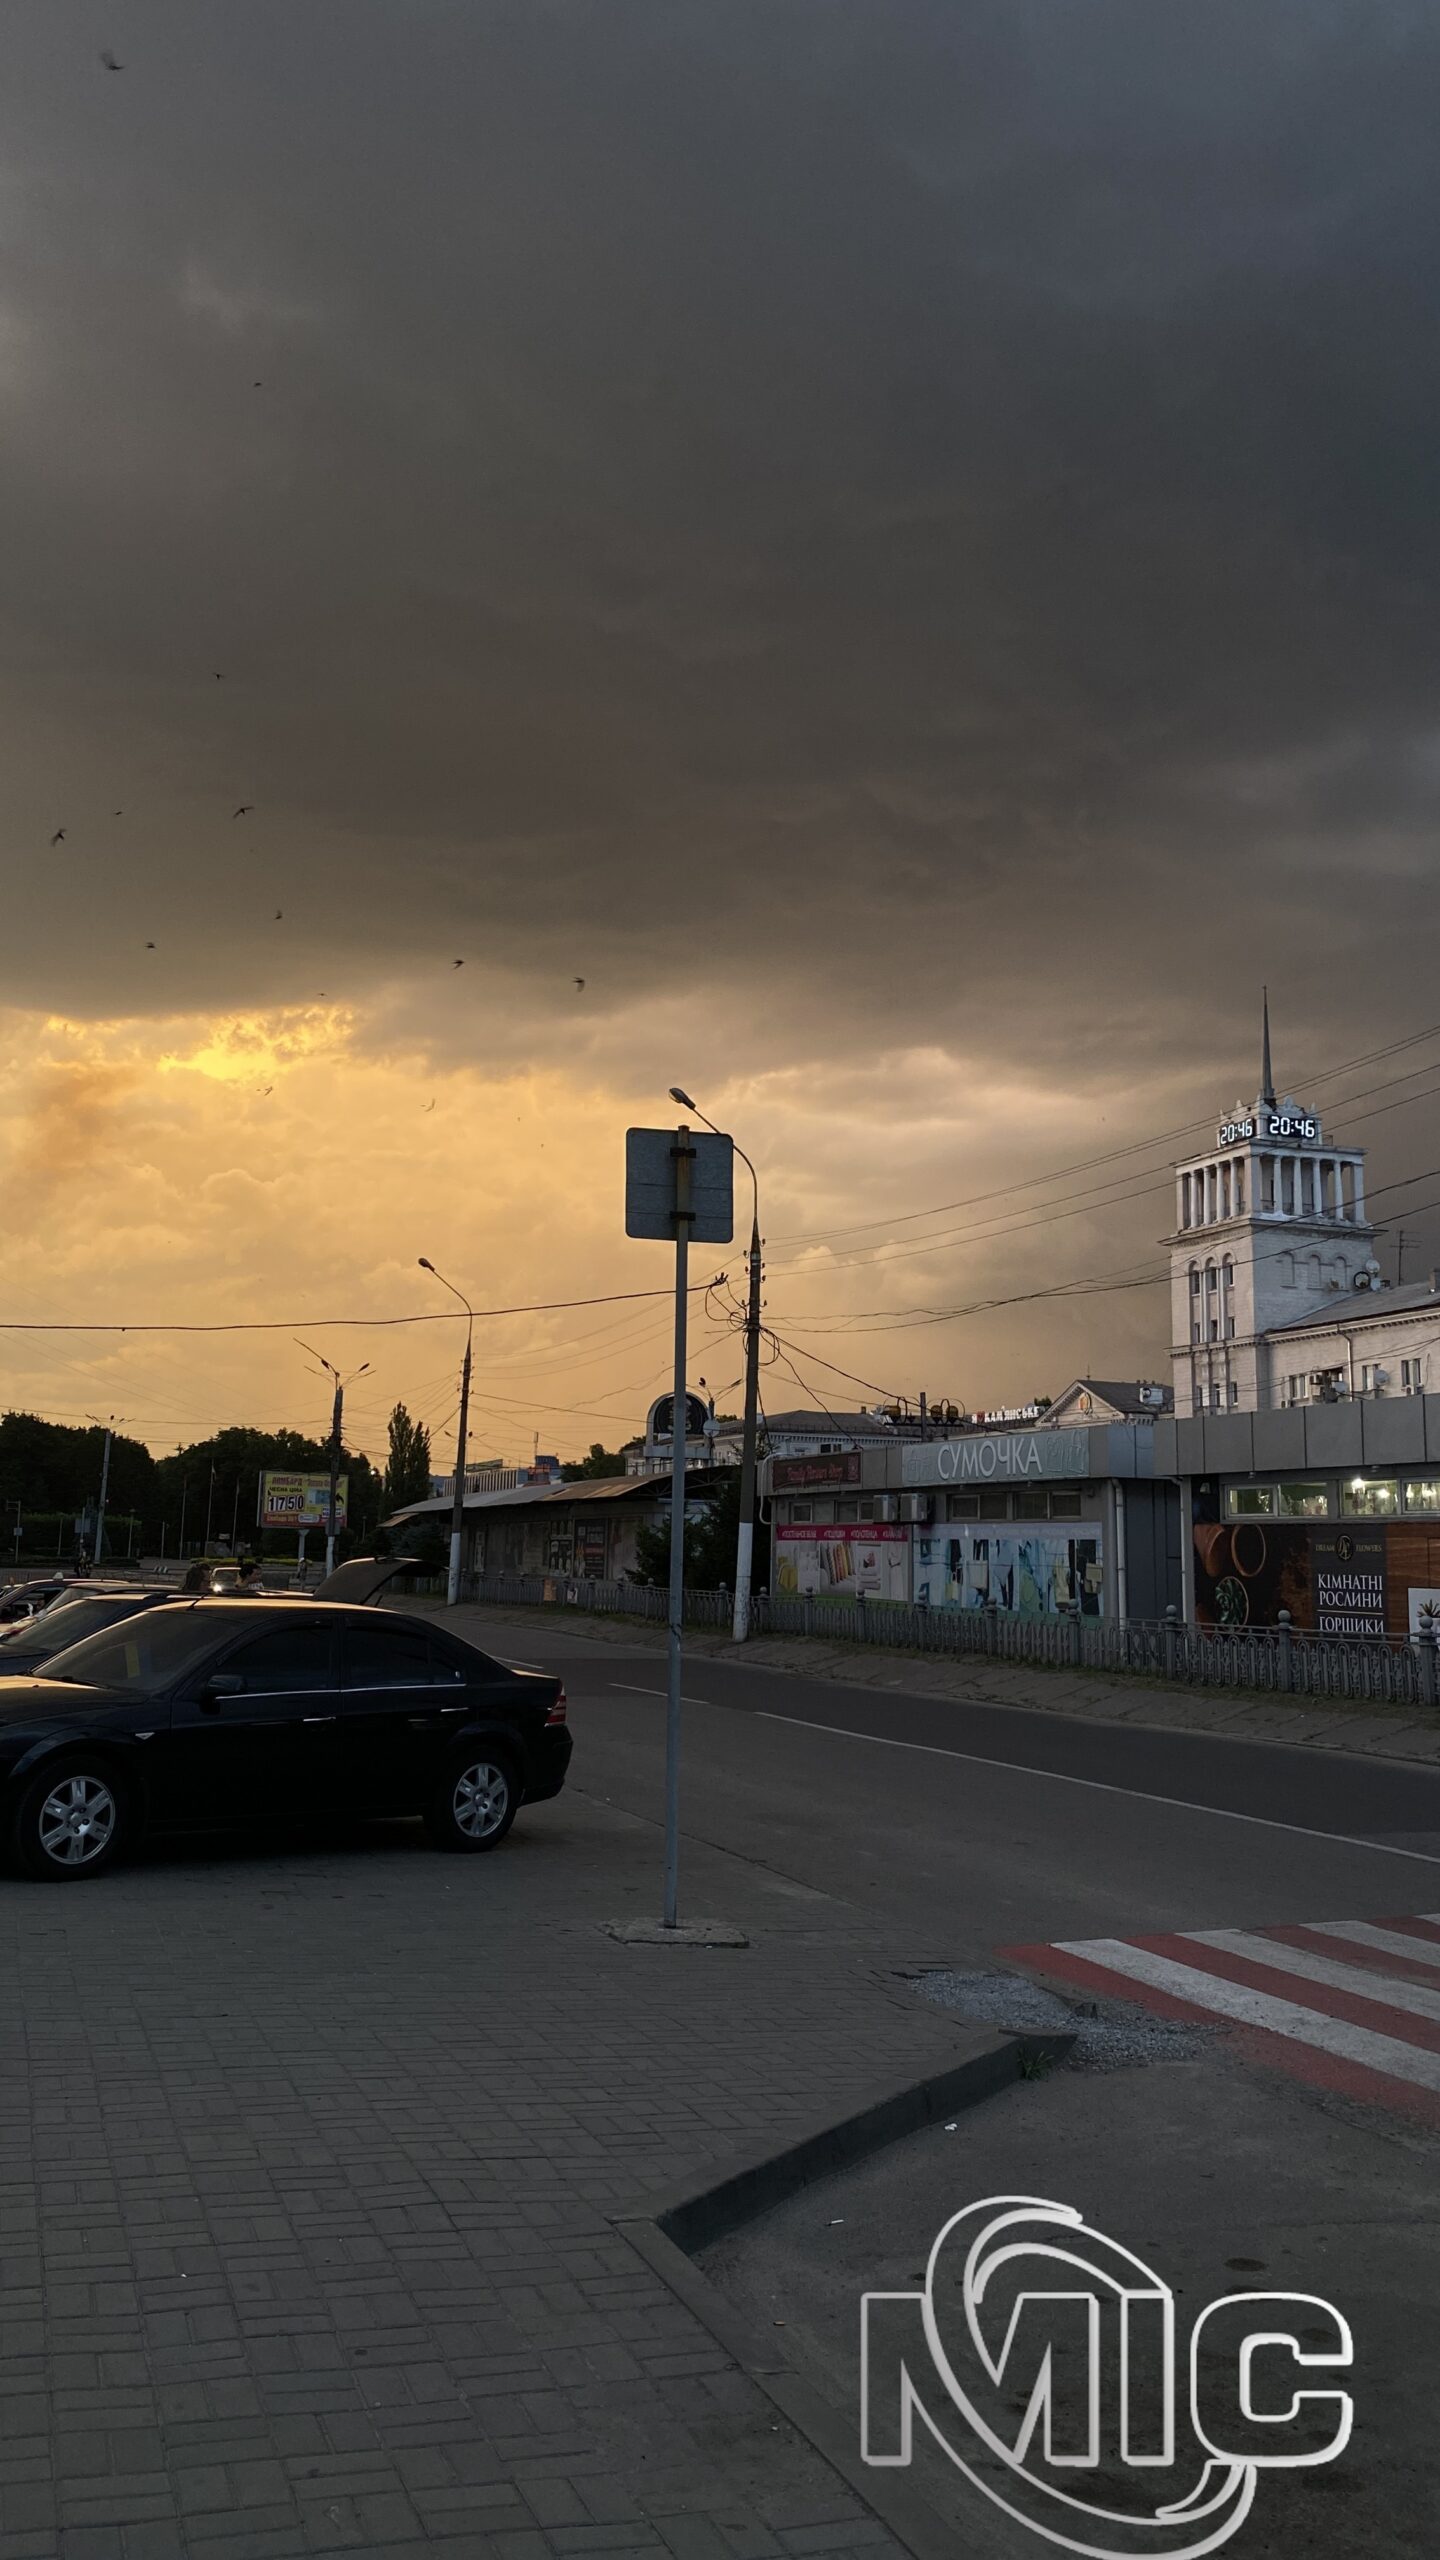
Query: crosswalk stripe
(1204, 1988)
(1415, 1997)
(1373, 1935)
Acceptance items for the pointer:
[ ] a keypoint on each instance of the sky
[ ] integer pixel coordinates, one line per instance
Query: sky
(875, 561)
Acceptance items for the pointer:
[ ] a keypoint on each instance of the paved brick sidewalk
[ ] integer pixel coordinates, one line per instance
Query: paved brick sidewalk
(1097, 1696)
(308, 2160)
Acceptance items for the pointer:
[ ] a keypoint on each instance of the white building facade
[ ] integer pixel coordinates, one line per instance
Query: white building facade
(1276, 1295)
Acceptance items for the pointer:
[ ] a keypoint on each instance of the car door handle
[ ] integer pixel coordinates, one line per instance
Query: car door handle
(317, 1719)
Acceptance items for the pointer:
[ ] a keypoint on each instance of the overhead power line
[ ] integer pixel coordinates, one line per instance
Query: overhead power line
(1114, 1155)
(330, 1324)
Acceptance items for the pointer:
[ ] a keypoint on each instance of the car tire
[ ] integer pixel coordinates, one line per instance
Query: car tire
(476, 1803)
(73, 1820)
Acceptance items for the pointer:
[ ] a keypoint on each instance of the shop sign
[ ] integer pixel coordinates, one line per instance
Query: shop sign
(802, 1475)
(1348, 1581)
(997, 1458)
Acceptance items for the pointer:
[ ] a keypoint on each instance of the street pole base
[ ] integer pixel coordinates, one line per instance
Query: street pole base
(686, 1933)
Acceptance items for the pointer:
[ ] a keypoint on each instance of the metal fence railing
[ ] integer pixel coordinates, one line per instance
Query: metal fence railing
(1390, 1670)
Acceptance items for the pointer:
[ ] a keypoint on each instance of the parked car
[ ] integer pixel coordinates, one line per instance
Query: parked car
(27, 1599)
(210, 1713)
(80, 1611)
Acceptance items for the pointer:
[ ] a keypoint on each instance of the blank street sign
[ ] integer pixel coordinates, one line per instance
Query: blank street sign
(650, 1186)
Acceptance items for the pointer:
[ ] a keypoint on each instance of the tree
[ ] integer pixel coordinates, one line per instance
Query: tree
(407, 1475)
(238, 1458)
(710, 1542)
(600, 1462)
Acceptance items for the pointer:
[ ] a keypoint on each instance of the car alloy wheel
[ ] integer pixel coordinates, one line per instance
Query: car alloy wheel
(480, 1800)
(75, 1823)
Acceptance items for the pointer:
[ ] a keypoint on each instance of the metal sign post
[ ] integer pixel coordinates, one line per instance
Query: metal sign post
(678, 1183)
(683, 1157)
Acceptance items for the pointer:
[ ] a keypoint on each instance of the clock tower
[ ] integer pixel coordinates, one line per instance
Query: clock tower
(1270, 1228)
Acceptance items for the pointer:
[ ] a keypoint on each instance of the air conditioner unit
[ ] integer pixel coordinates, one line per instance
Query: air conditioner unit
(887, 1506)
(917, 1506)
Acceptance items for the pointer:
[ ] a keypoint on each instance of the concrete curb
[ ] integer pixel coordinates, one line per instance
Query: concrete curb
(666, 2236)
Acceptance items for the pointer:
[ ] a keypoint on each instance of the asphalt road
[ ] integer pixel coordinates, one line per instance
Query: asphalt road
(975, 1826)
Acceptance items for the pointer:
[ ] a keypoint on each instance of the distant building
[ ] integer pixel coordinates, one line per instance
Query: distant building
(487, 1475)
(1108, 1400)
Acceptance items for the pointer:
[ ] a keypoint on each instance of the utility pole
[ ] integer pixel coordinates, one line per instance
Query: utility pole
(209, 1508)
(457, 1500)
(337, 1417)
(745, 1534)
(109, 1430)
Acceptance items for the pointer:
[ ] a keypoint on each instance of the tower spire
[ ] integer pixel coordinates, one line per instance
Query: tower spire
(1267, 1079)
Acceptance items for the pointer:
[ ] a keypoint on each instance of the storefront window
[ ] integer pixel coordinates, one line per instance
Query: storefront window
(964, 1506)
(1030, 1504)
(847, 1510)
(1250, 1501)
(1422, 1493)
(1372, 1499)
(1065, 1506)
(1304, 1501)
(802, 1510)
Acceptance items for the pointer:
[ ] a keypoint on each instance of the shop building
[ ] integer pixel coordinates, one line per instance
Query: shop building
(1329, 1511)
(1036, 1523)
(588, 1529)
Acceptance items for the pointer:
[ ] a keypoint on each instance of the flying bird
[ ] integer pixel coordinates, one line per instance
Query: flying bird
(219, 675)
(110, 62)
(427, 1106)
(279, 913)
(457, 964)
(149, 946)
(59, 836)
(244, 809)
(579, 982)
(119, 813)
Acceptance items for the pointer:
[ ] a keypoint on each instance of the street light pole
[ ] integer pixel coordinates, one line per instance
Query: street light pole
(337, 1417)
(457, 1504)
(745, 1536)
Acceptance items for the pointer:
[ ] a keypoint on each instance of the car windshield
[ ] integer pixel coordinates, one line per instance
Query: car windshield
(68, 1624)
(145, 1654)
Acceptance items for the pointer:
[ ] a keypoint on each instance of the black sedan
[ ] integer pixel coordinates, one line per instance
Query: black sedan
(204, 1714)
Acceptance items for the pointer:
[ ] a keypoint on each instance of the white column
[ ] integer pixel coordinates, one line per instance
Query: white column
(1359, 1179)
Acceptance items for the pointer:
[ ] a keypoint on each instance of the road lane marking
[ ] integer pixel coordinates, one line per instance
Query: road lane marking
(1101, 1786)
(632, 1692)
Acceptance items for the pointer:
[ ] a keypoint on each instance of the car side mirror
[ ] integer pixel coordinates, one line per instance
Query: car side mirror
(221, 1684)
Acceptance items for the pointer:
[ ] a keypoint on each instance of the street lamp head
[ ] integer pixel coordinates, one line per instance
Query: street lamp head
(424, 1265)
(678, 1094)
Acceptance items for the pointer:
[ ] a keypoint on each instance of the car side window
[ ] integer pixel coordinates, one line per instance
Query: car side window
(291, 1659)
(446, 1668)
(387, 1657)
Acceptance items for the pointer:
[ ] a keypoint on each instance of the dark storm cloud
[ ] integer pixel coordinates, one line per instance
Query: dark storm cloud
(909, 499)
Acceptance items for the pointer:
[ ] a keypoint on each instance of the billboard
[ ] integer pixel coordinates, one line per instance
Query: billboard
(290, 1501)
(1369, 1578)
(794, 1475)
(840, 1561)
